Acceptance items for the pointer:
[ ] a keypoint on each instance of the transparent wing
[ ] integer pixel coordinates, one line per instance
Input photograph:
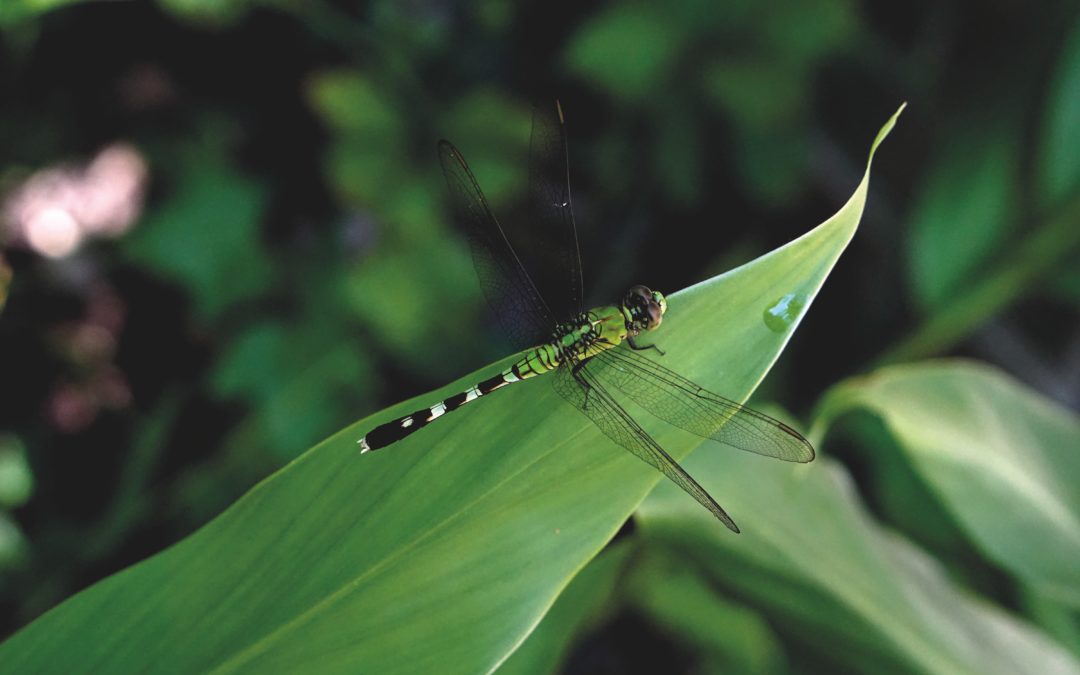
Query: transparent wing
(680, 402)
(507, 287)
(551, 211)
(585, 393)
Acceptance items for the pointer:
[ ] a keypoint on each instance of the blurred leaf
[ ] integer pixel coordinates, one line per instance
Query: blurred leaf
(349, 101)
(16, 478)
(626, 50)
(314, 402)
(12, 542)
(209, 12)
(418, 267)
(1001, 458)
(759, 74)
(206, 237)
(679, 158)
(965, 207)
(368, 162)
(683, 603)
(1066, 284)
(807, 30)
(1058, 620)
(771, 164)
(765, 99)
(1023, 267)
(493, 133)
(350, 562)
(897, 489)
(1059, 171)
(578, 606)
(759, 92)
(301, 384)
(423, 281)
(15, 11)
(360, 176)
(816, 563)
(248, 365)
(5, 281)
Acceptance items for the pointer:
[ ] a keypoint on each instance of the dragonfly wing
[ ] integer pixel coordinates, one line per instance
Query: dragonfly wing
(551, 211)
(680, 402)
(506, 285)
(585, 393)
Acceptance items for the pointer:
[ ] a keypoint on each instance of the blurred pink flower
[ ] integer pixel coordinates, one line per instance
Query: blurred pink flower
(55, 209)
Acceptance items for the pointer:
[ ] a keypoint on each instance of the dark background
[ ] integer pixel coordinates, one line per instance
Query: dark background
(290, 267)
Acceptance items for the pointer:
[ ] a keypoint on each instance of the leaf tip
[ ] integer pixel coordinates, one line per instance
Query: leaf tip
(886, 129)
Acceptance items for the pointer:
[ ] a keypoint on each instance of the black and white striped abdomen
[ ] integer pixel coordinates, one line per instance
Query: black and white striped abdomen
(391, 432)
(569, 342)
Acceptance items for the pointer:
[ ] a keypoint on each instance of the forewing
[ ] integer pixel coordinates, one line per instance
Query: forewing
(678, 401)
(505, 283)
(586, 394)
(552, 213)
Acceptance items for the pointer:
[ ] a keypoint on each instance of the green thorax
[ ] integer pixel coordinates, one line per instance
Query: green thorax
(609, 326)
(595, 331)
(605, 328)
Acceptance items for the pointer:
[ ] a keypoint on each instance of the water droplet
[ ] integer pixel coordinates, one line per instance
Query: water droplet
(779, 315)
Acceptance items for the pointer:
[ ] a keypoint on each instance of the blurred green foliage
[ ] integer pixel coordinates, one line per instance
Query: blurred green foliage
(293, 269)
(202, 239)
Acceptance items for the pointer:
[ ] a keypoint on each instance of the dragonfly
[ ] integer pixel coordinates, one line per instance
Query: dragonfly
(588, 354)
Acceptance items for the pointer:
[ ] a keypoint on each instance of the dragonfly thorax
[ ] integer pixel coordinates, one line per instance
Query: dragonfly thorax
(643, 309)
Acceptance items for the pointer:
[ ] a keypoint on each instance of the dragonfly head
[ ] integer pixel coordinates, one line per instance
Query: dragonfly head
(644, 309)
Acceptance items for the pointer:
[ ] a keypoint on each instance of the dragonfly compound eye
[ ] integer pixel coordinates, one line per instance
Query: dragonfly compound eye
(655, 313)
(645, 311)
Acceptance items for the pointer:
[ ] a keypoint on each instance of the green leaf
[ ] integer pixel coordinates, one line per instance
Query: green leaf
(1060, 161)
(13, 545)
(206, 237)
(896, 490)
(211, 13)
(582, 603)
(367, 162)
(683, 603)
(678, 152)
(1002, 459)
(313, 402)
(251, 365)
(1056, 619)
(441, 553)
(965, 207)
(759, 92)
(16, 477)
(422, 284)
(806, 31)
(15, 11)
(1064, 286)
(816, 562)
(351, 103)
(1024, 265)
(493, 130)
(629, 50)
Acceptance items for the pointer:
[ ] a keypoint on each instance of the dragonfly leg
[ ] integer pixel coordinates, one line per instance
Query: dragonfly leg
(639, 348)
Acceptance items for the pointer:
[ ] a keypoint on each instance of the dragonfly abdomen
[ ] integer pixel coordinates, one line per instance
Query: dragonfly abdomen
(535, 362)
